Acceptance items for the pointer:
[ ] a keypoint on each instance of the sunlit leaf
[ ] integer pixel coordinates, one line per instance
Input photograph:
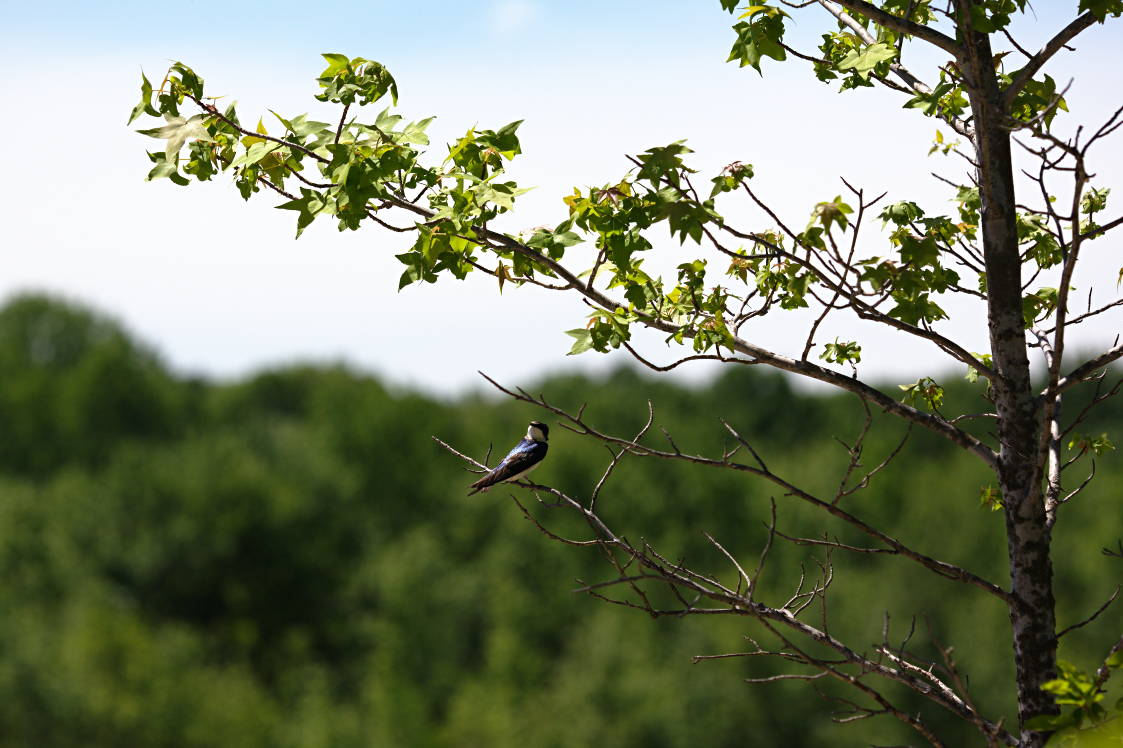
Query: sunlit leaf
(178, 130)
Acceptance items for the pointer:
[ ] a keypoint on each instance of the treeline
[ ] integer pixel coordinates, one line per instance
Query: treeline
(290, 560)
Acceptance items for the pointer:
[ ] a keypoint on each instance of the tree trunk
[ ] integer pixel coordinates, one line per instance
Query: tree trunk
(1032, 615)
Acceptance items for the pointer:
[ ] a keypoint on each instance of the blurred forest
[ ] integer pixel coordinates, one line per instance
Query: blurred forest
(290, 560)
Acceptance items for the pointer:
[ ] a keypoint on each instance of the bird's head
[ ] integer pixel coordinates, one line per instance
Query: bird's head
(537, 431)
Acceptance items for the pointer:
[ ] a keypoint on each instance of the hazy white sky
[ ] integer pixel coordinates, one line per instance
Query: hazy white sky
(220, 287)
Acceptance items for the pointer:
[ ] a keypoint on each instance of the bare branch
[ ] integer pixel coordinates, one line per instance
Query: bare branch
(1091, 312)
(788, 676)
(1074, 492)
(912, 669)
(942, 568)
(1081, 373)
(1054, 45)
(1104, 671)
(767, 545)
(865, 480)
(1098, 396)
(674, 364)
(745, 444)
(1092, 617)
(745, 577)
(342, 122)
(617, 456)
(725, 601)
(1091, 233)
(1014, 43)
(826, 542)
(856, 682)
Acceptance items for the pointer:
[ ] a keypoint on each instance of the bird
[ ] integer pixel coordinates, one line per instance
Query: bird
(524, 457)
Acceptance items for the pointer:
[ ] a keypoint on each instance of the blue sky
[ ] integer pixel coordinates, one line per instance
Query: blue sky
(221, 287)
(397, 29)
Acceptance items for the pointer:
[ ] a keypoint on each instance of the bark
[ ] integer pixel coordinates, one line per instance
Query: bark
(1032, 615)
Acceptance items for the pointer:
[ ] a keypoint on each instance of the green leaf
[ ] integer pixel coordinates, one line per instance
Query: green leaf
(347, 81)
(1094, 200)
(1101, 9)
(919, 251)
(145, 103)
(505, 140)
(969, 204)
(336, 63)
(301, 126)
(178, 130)
(1038, 98)
(990, 498)
(1039, 304)
(553, 243)
(752, 10)
(863, 61)
(985, 23)
(414, 132)
(762, 37)
(309, 205)
(902, 213)
(831, 212)
(925, 391)
(842, 352)
(912, 309)
(946, 100)
(201, 161)
(663, 162)
(583, 340)
(165, 169)
(250, 140)
(687, 218)
(183, 78)
(255, 153)
(282, 120)
(731, 178)
(1097, 445)
(416, 269)
(973, 373)
(1050, 722)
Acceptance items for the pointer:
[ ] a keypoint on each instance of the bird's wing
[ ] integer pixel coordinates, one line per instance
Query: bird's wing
(524, 456)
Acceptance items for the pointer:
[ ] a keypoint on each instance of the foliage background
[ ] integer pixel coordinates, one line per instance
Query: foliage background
(289, 560)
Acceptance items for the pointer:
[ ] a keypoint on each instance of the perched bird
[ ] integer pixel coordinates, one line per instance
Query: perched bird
(525, 456)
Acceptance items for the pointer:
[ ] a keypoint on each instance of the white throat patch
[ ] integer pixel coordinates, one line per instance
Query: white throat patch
(535, 434)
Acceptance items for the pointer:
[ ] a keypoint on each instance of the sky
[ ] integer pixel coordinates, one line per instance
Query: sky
(222, 288)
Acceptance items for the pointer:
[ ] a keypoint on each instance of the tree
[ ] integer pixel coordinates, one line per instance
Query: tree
(1007, 238)
(84, 376)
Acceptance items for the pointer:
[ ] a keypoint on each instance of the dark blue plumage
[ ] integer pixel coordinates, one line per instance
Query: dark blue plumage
(526, 455)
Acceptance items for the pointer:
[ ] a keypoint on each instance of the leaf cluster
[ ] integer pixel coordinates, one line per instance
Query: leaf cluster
(1080, 692)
